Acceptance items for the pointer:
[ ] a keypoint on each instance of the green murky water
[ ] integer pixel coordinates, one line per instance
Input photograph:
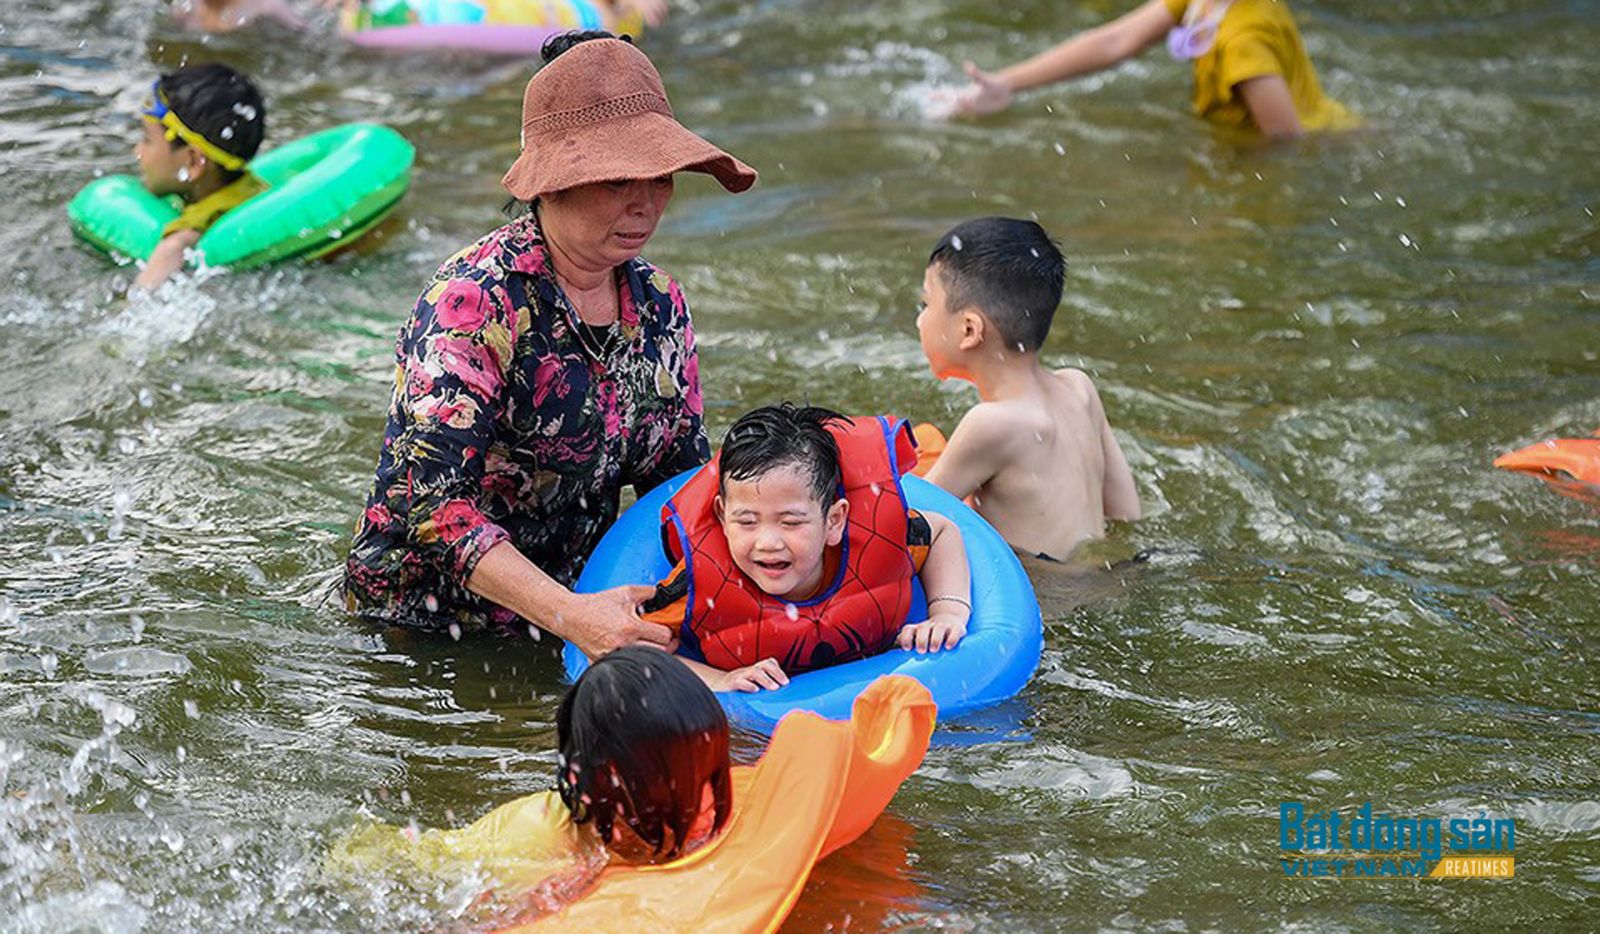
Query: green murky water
(1311, 354)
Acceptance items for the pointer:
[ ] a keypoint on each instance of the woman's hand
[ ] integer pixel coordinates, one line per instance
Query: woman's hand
(763, 675)
(988, 93)
(598, 623)
(939, 631)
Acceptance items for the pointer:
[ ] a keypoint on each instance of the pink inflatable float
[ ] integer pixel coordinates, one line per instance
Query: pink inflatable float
(491, 27)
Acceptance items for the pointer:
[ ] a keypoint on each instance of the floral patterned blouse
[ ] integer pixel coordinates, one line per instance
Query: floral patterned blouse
(511, 420)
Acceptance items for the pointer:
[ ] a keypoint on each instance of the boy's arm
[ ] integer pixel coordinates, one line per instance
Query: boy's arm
(766, 674)
(1088, 51)
(166, 259)
(947, 582)
(1271, 106)
(945, 573)
(977, 450)
(1118, 495)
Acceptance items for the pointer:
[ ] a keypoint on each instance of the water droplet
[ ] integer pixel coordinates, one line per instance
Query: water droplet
(191, 710)
(791, 611)
(455, 631)
(955, 243)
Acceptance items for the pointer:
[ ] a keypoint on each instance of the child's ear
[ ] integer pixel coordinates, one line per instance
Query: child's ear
(834, 521)
(972, 330)
(195, 161)
(716, 508)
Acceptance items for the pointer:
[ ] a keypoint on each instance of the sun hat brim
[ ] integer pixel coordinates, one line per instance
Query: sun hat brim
(640, 146)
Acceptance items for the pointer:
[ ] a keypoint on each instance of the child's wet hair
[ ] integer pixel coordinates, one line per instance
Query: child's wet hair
(784, 435)
(640, 738)
(220, 104)
(1006, 268)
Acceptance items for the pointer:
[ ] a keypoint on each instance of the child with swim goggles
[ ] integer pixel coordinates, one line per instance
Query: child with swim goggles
(1251, 70)
(199, 130)
(1035, 456)
(796, 551)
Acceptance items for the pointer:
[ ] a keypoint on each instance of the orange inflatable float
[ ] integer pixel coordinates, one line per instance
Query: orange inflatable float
(819, 786)
(1578, 458)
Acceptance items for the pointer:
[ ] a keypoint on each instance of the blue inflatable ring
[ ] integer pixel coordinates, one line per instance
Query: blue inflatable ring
(994, 661)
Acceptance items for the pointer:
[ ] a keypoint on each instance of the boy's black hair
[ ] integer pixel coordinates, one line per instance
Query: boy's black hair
(781, 435)
(219, 104)
(1006, 268)
(640, 736)
(561, 42)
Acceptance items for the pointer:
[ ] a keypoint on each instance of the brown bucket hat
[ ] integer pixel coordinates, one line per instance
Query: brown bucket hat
(599, 113)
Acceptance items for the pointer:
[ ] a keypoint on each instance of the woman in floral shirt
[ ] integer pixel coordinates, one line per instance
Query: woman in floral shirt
(544, 367)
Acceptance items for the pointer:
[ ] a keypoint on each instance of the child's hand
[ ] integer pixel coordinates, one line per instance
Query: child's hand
(987, 94)
(763, 675)
(931, 635)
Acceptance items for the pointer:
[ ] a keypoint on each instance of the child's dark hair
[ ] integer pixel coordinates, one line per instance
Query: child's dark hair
(1009, 269)
(782, 435)
(219, 104)
(561, 42)
(640, 737)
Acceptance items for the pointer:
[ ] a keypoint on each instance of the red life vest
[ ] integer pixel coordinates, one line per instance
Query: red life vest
(731, 622)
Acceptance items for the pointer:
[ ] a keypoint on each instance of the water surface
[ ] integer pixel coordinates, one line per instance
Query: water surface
(1311, 355)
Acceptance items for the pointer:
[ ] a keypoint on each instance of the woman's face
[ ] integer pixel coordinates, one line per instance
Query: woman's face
(607, 223)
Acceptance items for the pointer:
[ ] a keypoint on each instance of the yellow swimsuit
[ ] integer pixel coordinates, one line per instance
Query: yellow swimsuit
(200, 215)
(1254, 39)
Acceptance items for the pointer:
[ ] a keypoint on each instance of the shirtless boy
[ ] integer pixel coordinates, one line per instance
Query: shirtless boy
(1035, 456)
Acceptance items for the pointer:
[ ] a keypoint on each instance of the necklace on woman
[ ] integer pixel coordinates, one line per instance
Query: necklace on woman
(598, 340)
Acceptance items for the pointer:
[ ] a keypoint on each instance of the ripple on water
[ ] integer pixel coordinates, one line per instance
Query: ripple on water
(137, 663)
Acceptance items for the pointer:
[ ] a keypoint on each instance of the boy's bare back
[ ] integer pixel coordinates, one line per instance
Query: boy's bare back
(1040, 463)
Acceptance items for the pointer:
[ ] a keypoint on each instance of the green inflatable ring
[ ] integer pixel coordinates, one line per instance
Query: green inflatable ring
(325, 190)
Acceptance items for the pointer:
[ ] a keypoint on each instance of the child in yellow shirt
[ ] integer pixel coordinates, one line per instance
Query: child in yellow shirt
(1251, 70)
(200, 129)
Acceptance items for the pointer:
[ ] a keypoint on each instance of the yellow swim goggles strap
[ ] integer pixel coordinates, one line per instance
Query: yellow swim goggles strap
(177, 130)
